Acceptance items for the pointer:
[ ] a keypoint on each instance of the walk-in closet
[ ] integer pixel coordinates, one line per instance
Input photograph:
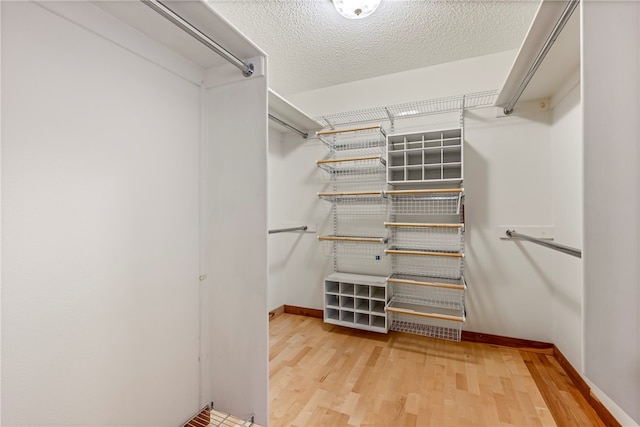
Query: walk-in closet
(220, 213)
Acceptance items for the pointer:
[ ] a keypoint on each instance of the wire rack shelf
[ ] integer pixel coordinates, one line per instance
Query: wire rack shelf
(402, 317)
(446, 298)
(446, 265)
(360, 255)
(354, 169)
(357, 203)
(409, 110)
(437, 282)
(222, 419)
(360, 138)
(426, 202)
(429, 237)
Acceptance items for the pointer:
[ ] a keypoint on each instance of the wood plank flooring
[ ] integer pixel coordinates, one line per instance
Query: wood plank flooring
(323, 375)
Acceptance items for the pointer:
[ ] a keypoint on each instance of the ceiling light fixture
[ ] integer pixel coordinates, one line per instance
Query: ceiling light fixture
(356, 9)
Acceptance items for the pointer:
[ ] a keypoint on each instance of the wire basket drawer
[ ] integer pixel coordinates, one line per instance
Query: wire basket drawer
(425, 263)
(426, 202)
(429, 237)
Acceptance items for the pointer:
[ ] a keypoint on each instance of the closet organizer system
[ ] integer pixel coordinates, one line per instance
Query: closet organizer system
(397, 205)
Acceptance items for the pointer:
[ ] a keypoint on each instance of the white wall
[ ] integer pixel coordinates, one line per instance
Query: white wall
(508, 181)
(100, 229)
(455, 78)
(610, 43)
(236, 253)
(567, 275)
(297, 261)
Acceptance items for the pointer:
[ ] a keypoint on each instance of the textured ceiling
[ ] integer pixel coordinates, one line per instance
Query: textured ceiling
(310, 45)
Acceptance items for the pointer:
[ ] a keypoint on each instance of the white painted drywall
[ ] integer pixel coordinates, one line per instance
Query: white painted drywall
(567, 274)
(455, 78)
(610, 43)
(298, 262)
(100, 237)
(507, 183)
(236, 249)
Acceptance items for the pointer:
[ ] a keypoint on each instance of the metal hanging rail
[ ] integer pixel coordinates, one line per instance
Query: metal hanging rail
(247, 69)
(305, 135)
(286, 230)
(555, 32)
(558, 247)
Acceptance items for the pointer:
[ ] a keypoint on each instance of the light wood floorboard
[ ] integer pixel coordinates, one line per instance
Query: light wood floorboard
(322, 375)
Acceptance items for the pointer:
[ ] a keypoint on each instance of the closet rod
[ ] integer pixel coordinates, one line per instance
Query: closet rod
(564, 18)
(288, 126)
(562, 248)
(285, 230)
(247, 69)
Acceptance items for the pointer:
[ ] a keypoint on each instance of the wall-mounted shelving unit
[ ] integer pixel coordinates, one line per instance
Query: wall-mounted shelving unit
(426, 286)
(421, 258)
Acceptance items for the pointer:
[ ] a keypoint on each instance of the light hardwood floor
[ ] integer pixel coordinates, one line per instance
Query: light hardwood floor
(322, 375)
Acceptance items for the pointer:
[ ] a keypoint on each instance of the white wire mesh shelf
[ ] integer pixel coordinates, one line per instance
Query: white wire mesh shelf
(409, 110)
(438, 282)
(426, 202)
(362, 255)
(221, 419)
(438, 297)
(353, 169)
(361, 138)
(446, 265)
(353, 239)
(429, 237)
(431, 322)
(355, 197)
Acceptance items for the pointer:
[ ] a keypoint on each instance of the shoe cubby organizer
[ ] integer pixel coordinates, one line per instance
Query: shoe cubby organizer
(356, 301)
(425, 157)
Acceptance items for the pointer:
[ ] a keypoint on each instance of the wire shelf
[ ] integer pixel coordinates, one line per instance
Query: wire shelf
(438, 282)
(426, 202)
(360, 255)
(221, 419)
(446, 265)
(438, 297)
(362, 138)
(359, 203)
(409, 110)
(429, 237)
(352, 169)
(428, 327)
